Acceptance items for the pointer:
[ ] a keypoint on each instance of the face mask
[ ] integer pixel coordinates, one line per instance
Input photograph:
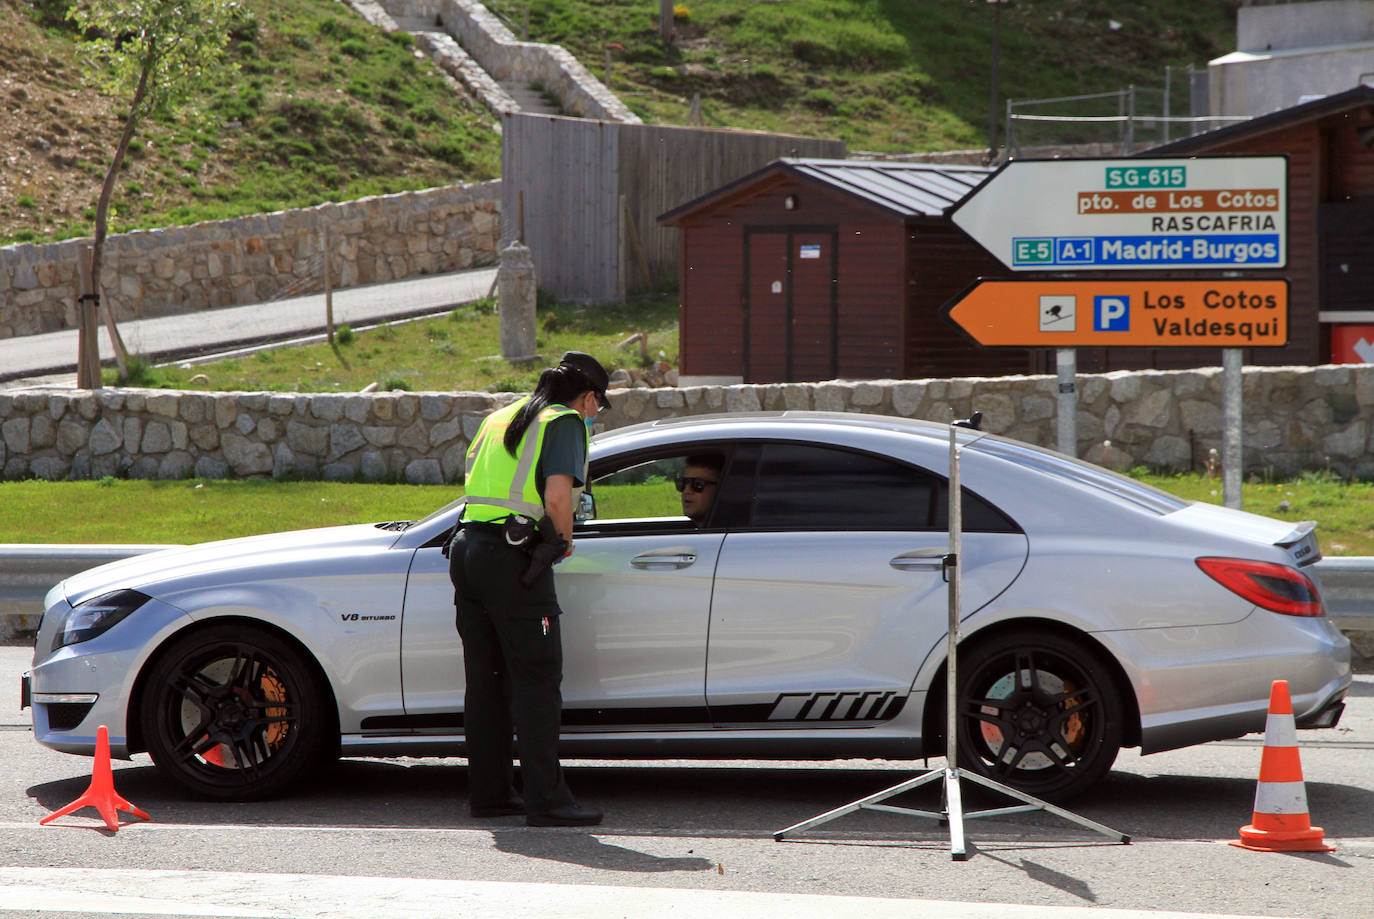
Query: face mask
(590, 421)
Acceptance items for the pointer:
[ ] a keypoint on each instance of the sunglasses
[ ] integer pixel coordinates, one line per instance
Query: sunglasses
(697, 485)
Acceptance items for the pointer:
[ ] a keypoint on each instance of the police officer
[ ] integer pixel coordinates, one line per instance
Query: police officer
(528, 461)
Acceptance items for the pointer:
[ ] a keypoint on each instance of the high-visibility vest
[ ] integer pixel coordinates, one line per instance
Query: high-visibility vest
(498, 484)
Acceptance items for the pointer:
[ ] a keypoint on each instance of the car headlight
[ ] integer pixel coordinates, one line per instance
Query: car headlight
(95, 616)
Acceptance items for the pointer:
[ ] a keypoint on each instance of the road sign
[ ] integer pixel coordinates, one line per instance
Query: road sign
(1107, 313)
(1132, 213)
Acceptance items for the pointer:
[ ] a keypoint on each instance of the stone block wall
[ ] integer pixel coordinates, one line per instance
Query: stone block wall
(254, 259)
(1295, 419)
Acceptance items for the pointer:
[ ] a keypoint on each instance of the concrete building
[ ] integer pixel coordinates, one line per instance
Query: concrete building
(1290, 53)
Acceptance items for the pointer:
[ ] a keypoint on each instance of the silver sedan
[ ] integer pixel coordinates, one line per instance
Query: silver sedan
(744, 586)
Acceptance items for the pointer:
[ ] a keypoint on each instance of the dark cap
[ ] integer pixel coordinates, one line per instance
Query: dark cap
(591, 370)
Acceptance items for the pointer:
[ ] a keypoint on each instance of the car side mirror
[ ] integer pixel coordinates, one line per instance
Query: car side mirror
(586, 508)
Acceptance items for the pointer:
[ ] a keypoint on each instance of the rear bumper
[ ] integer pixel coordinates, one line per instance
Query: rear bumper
(1213, 682)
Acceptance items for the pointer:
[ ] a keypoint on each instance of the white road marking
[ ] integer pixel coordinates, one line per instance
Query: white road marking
(306, 896)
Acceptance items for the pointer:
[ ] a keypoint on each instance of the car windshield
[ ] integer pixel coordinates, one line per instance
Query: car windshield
(1081, 473)
(439, 513)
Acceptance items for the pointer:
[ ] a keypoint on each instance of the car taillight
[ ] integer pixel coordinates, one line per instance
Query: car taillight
(1274, 587)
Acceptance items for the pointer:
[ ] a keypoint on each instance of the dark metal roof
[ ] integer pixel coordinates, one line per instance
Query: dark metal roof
(905, 189)
(1264, 124)
(909, 189)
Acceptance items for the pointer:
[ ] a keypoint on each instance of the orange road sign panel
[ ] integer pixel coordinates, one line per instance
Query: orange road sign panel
(1223, 313)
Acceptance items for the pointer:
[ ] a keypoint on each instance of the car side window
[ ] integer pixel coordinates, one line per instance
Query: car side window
(805, 487)
(677, 489)
(642, 490)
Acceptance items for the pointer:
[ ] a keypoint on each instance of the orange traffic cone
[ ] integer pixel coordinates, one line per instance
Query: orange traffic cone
(101, 794)
(1280, 822)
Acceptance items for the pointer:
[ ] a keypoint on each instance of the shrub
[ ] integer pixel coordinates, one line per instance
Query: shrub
(138, 373)
(344, 335)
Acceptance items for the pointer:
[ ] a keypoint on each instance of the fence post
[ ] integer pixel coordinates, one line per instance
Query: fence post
(1168, 83)
(328, 285)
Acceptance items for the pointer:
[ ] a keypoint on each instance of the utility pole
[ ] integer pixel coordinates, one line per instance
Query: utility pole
(665, 20)
(992, 90)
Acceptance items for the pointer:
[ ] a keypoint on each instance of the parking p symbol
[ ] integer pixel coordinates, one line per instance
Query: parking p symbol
(1112, 314)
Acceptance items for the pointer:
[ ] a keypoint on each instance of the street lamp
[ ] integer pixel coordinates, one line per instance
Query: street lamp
(992, 92)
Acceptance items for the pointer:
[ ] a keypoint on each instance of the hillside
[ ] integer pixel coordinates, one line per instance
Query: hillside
(323, 107)
(882, 75)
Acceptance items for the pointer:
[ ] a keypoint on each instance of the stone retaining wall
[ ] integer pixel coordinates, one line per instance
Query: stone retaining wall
(254, 259)
(505, 57)
(1295, 419)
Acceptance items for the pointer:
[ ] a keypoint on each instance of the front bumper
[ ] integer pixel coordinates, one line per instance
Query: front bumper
(77, 688)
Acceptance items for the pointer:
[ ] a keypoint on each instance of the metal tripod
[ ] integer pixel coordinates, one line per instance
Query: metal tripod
(953, 813)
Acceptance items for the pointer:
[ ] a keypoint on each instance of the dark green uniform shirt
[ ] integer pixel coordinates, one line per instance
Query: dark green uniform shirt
(565, 451)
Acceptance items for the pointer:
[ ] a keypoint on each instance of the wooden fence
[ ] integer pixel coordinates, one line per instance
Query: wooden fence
(589, 194)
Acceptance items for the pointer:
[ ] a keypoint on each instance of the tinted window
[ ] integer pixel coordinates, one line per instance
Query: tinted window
(803, 487)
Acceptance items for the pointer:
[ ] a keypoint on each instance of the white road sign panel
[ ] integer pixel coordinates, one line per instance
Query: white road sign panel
(1132, 213)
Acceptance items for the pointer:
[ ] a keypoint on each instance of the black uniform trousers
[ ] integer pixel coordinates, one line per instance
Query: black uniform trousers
(513, 660)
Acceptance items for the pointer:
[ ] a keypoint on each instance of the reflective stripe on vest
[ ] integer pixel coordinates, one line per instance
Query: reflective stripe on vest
(499, 484)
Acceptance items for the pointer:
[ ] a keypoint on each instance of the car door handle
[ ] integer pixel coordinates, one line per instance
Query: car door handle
(931, 558)
(664, 558)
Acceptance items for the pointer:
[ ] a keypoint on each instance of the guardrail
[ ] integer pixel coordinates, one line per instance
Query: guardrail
(27, 572)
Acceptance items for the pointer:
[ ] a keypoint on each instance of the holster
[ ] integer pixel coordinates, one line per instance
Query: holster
(545, 547)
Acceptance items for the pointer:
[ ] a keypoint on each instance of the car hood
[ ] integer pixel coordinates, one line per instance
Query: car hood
(146, 571)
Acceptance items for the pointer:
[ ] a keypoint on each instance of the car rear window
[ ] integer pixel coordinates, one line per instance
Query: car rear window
(805, 487)
(1119, 486)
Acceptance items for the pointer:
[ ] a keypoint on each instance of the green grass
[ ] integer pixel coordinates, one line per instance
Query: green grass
(190, 511)
(460, 351)
(1344, 510)
(882, 75)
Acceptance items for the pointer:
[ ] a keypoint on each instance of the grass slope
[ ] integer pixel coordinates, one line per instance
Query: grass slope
(326, 108)
(323, 107)
(882, 75)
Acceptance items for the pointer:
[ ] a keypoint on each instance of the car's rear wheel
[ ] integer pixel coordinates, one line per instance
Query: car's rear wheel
(231, 712)
(1039, 712)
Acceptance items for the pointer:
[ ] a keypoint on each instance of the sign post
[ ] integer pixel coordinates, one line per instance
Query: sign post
(1066, 361)
(1232, 386)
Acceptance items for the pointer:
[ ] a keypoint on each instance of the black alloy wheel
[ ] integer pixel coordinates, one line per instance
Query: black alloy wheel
(234, 713)
(1038, 712)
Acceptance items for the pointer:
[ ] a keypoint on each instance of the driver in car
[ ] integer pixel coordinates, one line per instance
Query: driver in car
(699, 482)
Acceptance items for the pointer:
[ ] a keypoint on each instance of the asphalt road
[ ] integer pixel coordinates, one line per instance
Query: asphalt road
(378, 839)
(169, 337)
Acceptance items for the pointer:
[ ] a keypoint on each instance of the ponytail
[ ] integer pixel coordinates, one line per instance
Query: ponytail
(555, 387)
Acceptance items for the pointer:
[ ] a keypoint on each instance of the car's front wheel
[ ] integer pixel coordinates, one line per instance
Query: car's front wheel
(1039, 712)
(234, 713)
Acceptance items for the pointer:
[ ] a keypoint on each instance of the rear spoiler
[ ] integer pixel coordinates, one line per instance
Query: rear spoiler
(1302, 543)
